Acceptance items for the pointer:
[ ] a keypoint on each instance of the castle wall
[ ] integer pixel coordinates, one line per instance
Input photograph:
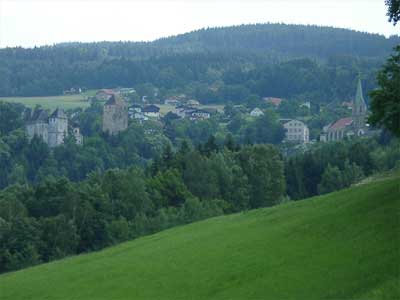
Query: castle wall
(39, 129)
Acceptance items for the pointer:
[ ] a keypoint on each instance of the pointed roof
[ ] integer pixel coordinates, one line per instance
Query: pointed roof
(359, 102)
(151, 108)
(58, 113)
(36, 115)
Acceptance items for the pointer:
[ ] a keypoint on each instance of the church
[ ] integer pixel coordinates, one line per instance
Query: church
(351, 126)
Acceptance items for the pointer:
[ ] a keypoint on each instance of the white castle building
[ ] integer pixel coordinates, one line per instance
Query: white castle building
(52, 130)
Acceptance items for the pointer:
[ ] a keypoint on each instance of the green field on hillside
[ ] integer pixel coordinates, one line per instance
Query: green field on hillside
(343, 245)
(52, 102)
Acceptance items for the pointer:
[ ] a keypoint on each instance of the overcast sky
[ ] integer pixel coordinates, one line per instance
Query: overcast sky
(41, 22)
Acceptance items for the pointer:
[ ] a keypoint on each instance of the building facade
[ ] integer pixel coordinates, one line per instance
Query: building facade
(296, 131)
(51, 129)
(199, 114)
(115, 115)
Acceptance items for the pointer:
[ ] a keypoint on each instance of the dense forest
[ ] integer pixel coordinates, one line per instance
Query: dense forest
(214, 65)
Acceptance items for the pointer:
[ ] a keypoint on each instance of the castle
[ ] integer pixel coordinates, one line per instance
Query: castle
(115, 115)
(352, 126)
(51, 129)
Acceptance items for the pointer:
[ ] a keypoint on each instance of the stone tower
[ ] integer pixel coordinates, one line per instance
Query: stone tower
(115, 115)
(58, 128)
(359, 112)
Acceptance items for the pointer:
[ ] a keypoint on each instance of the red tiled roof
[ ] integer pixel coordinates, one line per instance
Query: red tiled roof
(274, 101)
(106, 91)
(342, 123)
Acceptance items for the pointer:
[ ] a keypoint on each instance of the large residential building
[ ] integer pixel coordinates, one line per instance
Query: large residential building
(115, 115)
(296, 131)
(351, 126)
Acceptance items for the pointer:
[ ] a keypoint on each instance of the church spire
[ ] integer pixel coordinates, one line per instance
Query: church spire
(359, 107)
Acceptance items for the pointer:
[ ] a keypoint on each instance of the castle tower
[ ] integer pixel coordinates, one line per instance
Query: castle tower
(58, 128)
(115, 115)
(359, 113)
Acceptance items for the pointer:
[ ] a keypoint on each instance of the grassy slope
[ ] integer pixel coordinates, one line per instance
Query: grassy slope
(339, 246)
(52, 102)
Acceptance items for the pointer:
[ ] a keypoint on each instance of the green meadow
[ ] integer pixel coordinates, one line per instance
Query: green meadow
(52, 102)
(344, 245)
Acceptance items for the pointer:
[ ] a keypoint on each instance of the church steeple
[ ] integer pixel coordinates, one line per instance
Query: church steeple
(359, 107)
(359, 113)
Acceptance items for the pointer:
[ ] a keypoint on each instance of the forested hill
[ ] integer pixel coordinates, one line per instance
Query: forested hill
(280, 40)
(202, 56)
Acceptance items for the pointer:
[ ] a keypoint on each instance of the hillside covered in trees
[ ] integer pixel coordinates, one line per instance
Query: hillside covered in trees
(214, 65)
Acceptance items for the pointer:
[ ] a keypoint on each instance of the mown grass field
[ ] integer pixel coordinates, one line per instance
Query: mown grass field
(344, 245)
(52, 102)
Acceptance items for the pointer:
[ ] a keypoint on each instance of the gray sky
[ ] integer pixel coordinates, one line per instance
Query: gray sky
(38, 22)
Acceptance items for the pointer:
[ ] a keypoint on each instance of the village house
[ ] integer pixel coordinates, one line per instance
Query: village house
(306, 104)
(135, 112)
(193, 103)
(256, 112)
(199, 114)
(104, 94)
(273, 100)
(73, 91)
(126, 92)
(134, 109)
(296, 131)
(115, 115)
(51, 129)
(184, 111)
(351, 126)
(151, 111)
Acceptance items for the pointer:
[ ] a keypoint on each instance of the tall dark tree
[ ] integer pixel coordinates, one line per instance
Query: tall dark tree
(385, 104)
